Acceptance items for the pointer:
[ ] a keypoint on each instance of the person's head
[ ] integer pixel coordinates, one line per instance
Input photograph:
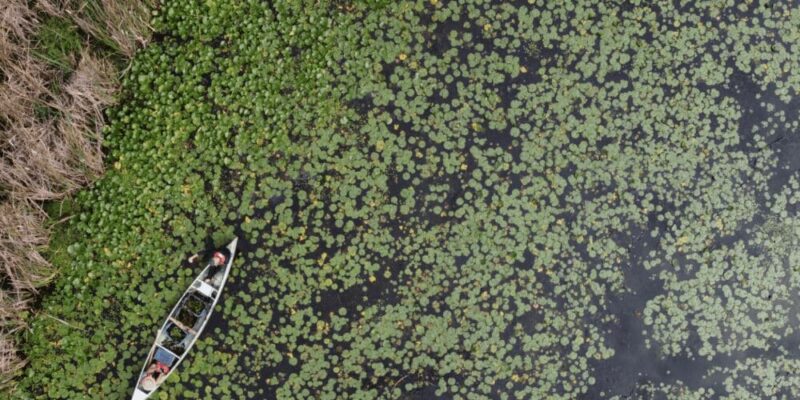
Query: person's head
(218, 258)
(149, 383)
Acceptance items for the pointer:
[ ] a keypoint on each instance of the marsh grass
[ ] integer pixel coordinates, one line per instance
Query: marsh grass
(57, 42)
(121, 25)
(23, 236)
(10, 361)
(57, 75)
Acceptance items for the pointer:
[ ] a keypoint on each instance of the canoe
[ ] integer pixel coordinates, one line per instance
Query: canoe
(183, 326)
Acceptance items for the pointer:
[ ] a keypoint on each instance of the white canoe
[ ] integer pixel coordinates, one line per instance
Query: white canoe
(185, 323)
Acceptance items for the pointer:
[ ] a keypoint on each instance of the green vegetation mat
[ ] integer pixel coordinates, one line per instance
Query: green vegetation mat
(454, 199)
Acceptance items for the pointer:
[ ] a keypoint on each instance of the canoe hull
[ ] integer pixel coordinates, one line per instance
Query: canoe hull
(204, 292)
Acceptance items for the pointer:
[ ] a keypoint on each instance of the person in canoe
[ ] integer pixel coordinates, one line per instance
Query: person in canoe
(216, 259)
(155, 374)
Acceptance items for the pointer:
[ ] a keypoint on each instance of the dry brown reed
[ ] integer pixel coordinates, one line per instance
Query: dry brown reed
(90, 90)
(46, 158)
(10, 361)
(22, 236)
(23, 270)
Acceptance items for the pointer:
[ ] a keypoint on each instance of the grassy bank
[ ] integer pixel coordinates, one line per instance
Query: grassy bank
(59, 64)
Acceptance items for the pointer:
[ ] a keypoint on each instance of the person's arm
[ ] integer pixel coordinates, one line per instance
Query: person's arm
(200, 255)
(182, 326)
(150, 369)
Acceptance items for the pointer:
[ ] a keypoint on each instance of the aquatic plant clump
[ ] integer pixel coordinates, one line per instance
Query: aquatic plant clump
(460, 199)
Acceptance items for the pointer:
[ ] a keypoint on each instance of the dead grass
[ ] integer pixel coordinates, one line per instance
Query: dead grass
(23, 89)
(22, 236)
(45, 157)
(23, 270)
(50, 136)
(17, 22)
(120, 24)
(91, 89)
(10, 362)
